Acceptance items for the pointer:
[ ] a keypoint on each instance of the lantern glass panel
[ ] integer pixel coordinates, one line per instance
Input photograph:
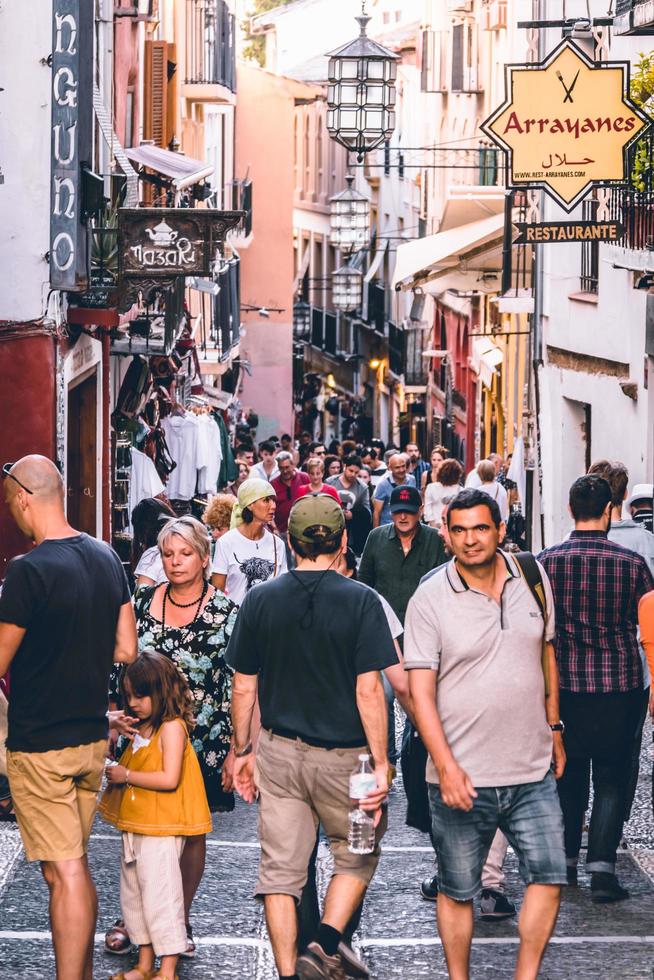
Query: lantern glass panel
(375, 69)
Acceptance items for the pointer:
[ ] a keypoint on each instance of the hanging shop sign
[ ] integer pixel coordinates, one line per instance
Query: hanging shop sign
(158, 245)
(566, 124)
(568, 231)
(71, 140)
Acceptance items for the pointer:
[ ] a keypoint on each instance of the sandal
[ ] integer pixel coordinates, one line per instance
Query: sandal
(118, 935)
(147, 974)
(189, 952)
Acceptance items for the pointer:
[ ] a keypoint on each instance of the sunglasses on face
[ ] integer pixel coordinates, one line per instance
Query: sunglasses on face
(5, 473)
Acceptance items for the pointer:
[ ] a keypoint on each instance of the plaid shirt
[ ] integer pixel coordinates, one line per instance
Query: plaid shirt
(597, 585)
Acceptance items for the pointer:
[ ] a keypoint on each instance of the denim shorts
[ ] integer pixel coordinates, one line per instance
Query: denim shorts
(528, 814)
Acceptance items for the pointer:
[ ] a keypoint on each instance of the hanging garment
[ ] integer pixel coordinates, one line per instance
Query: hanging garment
(181, 433)
(144, 481)
(209, 456)
(228, 467)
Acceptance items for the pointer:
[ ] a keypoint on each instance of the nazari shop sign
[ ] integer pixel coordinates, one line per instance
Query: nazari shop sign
(157, 245)
(566, 124)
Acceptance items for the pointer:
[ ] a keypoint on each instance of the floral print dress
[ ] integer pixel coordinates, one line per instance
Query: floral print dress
(198, 650)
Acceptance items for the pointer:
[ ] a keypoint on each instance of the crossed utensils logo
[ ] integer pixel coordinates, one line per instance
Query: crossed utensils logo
(568, 88)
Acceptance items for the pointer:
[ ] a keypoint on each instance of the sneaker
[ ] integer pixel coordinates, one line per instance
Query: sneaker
(353, 966)
(495, 905)
(429, 889)
(571, 874)
(314, 964)
(605, 887)
(189, 952)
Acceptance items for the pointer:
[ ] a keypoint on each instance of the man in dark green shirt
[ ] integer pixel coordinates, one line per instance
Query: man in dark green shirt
(397, 555)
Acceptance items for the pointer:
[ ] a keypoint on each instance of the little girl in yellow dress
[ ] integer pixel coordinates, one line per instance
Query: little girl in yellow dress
(156, 797)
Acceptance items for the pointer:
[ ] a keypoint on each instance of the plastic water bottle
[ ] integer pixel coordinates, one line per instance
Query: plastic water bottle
(361, 836)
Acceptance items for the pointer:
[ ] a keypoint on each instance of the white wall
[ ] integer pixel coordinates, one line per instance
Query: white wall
(613, 328)
(24, 159)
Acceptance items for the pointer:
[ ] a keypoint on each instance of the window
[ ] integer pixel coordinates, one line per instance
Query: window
(433, 62)
(589, 253)
(464, 57)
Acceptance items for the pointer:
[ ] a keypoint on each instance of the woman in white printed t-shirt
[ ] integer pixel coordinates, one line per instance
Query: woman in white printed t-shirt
(249, 553)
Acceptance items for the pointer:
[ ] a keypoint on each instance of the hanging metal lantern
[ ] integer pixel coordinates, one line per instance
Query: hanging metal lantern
(361, 95)
(350, 219)
(347, 289)
(301, 320)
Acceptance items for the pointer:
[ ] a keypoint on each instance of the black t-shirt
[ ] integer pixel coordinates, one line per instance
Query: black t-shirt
(67, 595)
(308, 654)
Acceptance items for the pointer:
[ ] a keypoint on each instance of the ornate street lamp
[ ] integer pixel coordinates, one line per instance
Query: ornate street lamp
(301, 320)
(361, 95)
(350, 219)
(347, 289)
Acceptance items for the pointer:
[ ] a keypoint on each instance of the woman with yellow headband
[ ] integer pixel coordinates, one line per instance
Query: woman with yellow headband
(249, 553)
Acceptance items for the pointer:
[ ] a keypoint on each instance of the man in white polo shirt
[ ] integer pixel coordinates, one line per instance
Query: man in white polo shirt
(486, 707)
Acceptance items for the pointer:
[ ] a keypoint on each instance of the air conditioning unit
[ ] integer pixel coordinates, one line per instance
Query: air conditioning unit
(495, 15)
(470, 78)
(460, 6)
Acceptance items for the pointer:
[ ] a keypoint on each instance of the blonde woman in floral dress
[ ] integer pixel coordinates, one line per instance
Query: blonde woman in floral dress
(190, 621)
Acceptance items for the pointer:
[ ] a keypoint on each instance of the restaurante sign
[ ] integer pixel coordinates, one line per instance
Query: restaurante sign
(566, 124)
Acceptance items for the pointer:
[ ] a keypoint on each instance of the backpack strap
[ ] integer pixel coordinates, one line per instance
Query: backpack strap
(530, 571)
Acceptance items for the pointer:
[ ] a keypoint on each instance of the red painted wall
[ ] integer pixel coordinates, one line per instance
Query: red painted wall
(27, 411)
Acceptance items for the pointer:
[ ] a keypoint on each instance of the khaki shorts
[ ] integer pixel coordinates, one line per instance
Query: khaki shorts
(55, 797)
(301, 787)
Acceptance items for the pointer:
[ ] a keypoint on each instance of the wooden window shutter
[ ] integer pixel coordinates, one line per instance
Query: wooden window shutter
(155, 109)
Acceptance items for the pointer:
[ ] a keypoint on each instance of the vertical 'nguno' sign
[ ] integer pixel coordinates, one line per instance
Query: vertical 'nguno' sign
(71, 143)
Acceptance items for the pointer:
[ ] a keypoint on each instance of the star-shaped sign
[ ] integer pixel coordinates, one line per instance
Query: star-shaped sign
(566, 124)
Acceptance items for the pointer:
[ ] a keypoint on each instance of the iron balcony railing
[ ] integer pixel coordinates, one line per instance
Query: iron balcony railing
(210, 43)
(395, 349)
(633, 205)
(415, 367)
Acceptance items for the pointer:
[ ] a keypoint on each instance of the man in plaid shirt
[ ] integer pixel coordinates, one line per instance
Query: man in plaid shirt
(597, 585)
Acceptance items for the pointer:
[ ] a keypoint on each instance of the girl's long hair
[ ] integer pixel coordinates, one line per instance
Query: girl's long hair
(155, 676)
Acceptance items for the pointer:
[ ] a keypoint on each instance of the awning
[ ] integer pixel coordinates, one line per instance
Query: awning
(466, 204)
(183, 171)
(473, 248)
(109, 133)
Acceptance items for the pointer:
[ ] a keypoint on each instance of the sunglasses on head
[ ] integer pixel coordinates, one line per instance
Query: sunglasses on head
(5, 473)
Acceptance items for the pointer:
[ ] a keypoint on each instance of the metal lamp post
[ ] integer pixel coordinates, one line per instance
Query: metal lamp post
(347, 289)
(350, 218)
(301, 320)
(361, 94)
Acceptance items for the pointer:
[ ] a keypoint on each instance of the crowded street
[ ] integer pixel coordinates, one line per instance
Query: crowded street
(397, 936)
(327, 490)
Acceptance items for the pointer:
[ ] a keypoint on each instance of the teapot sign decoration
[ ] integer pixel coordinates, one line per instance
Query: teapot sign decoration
(168, 250)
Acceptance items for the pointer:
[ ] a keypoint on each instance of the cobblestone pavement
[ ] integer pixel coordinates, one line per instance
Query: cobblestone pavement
(398, 935)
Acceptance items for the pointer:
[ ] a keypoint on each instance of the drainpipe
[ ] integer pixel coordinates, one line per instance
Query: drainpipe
(106, 436)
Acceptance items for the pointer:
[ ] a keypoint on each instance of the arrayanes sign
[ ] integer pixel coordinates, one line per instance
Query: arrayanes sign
(566, 124)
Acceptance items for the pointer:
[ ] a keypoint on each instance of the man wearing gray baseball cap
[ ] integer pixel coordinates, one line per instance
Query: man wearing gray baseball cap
(312, 644)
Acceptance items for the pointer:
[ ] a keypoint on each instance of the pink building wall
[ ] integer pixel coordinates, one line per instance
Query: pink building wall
(126, 77)
(265, 149)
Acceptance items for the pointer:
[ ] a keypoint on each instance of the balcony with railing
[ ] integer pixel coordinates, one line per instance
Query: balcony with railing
(210, 44)
(633, 205)
(377, 307)
(634, 17)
